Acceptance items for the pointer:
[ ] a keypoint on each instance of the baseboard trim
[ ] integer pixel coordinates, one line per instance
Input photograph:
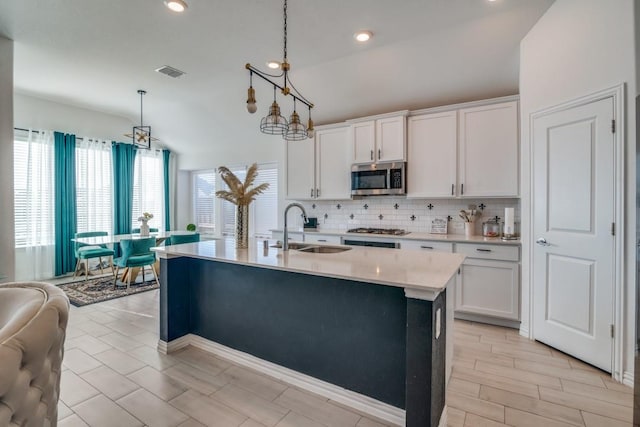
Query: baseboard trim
(627, 378)
(515, 324)
(177, 344)
(359, 402)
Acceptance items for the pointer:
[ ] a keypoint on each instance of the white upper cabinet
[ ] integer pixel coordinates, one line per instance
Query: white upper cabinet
(489, 150)
(390, 139)
(363, 137)
(333, 165)
(320, 168)
(431, 155)
(379, 140)
(300, 169)
(467, 152)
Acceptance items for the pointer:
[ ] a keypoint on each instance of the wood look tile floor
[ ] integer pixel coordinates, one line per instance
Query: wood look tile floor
(113, 376)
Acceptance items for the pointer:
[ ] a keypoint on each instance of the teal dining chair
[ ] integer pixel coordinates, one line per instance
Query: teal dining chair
(136, 253)
(177, 239)
(137, 230)
(84, 252)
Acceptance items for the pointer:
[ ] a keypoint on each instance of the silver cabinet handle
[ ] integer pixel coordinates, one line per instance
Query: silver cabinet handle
(543, 242)
(453, 186)
(371, 154)
(461, 189)
(322, 240)
(311, 192)
(426, 247)
(379, 154)
(317, 192)
(483, 250)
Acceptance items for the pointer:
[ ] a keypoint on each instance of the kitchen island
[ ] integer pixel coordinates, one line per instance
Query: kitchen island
(366, 327)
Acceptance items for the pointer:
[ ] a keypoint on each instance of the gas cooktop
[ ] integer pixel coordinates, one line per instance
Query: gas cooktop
(391, 231)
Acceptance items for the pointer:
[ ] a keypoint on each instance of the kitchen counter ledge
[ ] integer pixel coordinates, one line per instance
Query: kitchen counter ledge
(453, 238)
(409, 269)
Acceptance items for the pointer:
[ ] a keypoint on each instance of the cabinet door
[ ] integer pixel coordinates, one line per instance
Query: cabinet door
(300, 169)
(333, 168)
(431, 155)
(489, 148)
(363, 142)
(489, 288)
(390, 140)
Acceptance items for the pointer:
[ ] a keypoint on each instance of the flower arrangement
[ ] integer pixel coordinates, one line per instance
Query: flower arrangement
(146, 216)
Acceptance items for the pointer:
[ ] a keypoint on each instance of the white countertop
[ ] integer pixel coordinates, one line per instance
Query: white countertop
(453, 238)
(405, 268)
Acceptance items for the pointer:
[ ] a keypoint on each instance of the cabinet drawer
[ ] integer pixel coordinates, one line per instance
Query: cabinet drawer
(321, 238)
(502, 252)
(426, 245)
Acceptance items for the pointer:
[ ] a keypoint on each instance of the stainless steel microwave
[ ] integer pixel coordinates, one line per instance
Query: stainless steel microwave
(378, 179)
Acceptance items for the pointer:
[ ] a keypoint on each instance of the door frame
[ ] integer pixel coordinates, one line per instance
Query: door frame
(617, 93)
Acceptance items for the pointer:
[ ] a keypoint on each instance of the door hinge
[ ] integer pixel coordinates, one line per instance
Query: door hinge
(613, 329)
(613, 126)
(613, 228)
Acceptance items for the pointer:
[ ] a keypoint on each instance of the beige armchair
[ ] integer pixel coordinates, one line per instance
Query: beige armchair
(33, 321)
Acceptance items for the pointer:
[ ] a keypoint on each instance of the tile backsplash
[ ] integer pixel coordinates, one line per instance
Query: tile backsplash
(399, 212)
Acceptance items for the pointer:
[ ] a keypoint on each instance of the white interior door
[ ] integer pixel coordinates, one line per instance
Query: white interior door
(573, 254)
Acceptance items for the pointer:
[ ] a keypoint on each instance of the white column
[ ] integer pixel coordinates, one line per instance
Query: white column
(7, 227)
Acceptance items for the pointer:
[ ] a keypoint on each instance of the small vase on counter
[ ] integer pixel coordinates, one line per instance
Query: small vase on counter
(469, 228)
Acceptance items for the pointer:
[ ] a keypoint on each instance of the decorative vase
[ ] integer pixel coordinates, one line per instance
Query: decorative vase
(469, 228)
(144, 229)
(242, 226)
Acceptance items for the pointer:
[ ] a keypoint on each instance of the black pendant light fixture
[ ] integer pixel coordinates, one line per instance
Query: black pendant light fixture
(141, 135)
(274, 123)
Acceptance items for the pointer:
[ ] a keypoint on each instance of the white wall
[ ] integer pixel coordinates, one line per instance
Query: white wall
(184, 204)
(37, 113)
(7, 251)
(580, 47)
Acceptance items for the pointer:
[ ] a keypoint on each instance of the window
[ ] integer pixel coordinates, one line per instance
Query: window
(204, 184)
(265, 207)
(33, 189)
(148, 188)
(94, 192)
(228, 208)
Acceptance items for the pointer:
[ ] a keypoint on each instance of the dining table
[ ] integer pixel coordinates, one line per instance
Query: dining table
(114, 239)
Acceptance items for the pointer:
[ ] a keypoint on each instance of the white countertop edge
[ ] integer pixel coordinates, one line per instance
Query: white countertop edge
(422, 291)
(413, 235)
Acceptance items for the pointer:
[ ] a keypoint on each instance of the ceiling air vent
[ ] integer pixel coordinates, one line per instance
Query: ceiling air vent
(170, 71)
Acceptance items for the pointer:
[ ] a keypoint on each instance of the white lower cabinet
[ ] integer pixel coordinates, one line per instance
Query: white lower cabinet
(311, 237)
(489, 288)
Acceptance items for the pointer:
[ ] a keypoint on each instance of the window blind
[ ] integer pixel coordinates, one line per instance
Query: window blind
(148, 188)
(265, 207)
(204, 190)
(94, 186)
(229, 209)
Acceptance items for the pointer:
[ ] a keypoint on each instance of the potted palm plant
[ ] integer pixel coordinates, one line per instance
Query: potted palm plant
(241, 194)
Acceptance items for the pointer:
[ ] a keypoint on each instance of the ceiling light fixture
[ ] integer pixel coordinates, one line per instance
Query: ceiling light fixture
(176, 5)
(141, 135)
(274, 123)
(363, 36)
(274, 65)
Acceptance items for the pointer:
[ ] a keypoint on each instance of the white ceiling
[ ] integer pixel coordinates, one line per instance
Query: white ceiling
(97, 53)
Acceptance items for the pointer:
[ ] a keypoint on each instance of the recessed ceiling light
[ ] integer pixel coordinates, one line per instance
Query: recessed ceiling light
(273, 64)
(363, 36)
(176, 5)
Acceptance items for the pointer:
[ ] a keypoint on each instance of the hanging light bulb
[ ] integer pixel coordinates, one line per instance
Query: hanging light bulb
(310, 130)
(274, 123)
(296, 130)
(251, 97)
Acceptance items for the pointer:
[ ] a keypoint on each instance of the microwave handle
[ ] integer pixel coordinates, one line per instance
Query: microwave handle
(389, 178)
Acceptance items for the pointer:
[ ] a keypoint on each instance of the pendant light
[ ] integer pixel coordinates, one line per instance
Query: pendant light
(141, 135)
(274, 123)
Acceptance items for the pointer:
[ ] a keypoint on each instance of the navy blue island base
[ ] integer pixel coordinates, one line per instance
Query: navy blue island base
(367, 338)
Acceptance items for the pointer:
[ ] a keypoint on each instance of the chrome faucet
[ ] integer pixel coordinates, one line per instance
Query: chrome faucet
(285, 238)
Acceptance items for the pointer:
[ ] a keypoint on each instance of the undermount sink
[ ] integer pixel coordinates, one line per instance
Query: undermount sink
(324, 249)
(293, 245)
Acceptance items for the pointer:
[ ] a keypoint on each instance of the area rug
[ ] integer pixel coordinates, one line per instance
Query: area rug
(83, 293)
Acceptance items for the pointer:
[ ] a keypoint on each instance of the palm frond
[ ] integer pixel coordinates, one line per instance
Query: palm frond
(252, 174)
(228, 196)
(256, 190)
(232, 181)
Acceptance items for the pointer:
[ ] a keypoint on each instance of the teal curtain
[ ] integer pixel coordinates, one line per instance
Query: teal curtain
(123, 156)
(167, 204)
(65, 201)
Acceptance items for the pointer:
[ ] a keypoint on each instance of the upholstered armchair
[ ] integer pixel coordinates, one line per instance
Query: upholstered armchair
(33, 321)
